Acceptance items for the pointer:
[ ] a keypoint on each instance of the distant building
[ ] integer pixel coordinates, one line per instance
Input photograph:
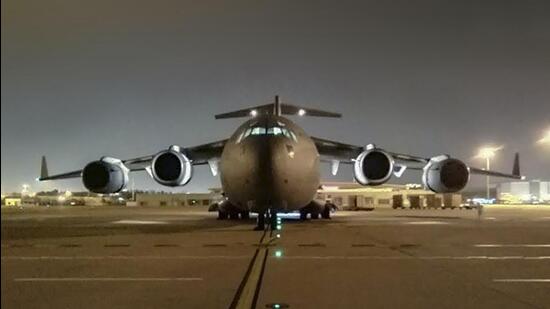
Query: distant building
(533, 190)
(12, 201)
(343, 195)
(354, 196)
(176, 199)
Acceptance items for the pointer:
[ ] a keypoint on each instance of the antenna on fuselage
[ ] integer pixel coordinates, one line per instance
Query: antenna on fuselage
(277, 106)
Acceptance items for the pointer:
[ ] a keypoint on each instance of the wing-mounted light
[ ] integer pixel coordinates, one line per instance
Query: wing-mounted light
(373, 167)
(171, 167)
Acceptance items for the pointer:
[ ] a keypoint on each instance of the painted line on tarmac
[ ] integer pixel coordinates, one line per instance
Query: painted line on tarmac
(512, 245)
(122, 257)
(247, 293)
(474, 257)
(523, 280)
(138, 222)
(296, 257)
(106, 279)
(426, 222)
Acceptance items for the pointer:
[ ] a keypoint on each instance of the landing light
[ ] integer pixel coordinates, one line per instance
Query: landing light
(253, 113)
(301, 112)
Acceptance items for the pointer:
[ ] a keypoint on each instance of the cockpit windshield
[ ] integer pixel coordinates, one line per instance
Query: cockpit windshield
(272, 130)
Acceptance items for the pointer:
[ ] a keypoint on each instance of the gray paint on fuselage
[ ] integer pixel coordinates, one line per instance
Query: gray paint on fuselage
(270, 171)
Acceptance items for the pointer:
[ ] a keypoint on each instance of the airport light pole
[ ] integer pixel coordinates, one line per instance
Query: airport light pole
(488, 153)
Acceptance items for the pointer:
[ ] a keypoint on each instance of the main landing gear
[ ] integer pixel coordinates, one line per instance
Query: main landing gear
(233, 215)
(315, 209)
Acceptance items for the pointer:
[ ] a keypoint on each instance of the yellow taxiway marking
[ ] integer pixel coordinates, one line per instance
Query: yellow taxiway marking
(247, 294)
(289, 257)
(110, 279)
(246, 299)
(472, 257)
(512, 245)
(523, 280)
(130, 257)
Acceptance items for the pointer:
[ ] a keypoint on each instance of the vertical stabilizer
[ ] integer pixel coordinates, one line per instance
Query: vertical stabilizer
(277, 106)
(515, 169)
(43, 168)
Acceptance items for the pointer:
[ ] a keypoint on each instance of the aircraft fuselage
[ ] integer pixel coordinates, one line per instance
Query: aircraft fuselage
(270, 163)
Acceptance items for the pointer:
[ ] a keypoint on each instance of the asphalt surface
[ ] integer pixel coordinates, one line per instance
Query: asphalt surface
(108, 257)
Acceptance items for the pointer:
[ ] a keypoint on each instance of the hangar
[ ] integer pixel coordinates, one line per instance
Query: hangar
(353, 196)
(344, 195)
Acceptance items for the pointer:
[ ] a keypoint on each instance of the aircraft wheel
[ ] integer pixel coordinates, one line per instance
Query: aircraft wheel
(314, 215)
(234, 216)
(245, 215)
(326, 212)
(303, 215)
(222, 215)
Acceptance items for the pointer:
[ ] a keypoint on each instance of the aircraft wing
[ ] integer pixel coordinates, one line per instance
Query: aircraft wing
(332, 151)
(198, 155)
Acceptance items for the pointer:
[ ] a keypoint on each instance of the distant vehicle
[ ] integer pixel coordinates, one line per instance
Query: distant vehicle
(469, 205)
(270, 164)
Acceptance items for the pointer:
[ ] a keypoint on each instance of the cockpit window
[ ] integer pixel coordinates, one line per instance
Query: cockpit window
(258, 131)
(275, 130)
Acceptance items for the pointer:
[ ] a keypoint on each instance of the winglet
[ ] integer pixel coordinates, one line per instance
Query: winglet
(515, 169)
(43, 169)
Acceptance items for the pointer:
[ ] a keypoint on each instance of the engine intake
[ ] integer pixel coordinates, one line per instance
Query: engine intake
(445, 175)
(171, 167)
(107, 175)
(373, 167)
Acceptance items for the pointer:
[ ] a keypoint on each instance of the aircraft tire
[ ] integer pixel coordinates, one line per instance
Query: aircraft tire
(222, 215)
(326, 212)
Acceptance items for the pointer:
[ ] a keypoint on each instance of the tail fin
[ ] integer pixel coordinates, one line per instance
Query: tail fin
(277, 108)
(515, 169)
(44, 168)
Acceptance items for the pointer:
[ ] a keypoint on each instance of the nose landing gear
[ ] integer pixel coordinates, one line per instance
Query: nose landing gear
(260, 222)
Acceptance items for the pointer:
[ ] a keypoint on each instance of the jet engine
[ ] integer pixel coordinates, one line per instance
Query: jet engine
(373, 167)
(171, 167)
(107, 175)
(443, 174)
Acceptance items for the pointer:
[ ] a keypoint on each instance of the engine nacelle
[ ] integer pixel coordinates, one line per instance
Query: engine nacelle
(445, 175)
(107, 175)
(171, 167)
(373, 167)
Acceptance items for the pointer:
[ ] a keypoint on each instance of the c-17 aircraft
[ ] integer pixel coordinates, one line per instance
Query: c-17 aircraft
(271, 165)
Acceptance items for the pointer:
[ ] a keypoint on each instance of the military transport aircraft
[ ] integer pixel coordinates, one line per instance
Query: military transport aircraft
(271, 165)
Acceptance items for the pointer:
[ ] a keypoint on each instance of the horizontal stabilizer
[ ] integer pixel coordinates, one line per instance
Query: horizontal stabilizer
(277, 108)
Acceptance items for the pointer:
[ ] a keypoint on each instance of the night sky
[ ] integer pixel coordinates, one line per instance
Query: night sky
(83, 79)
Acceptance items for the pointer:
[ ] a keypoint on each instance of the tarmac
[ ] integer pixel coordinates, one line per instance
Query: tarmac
(131, 257)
